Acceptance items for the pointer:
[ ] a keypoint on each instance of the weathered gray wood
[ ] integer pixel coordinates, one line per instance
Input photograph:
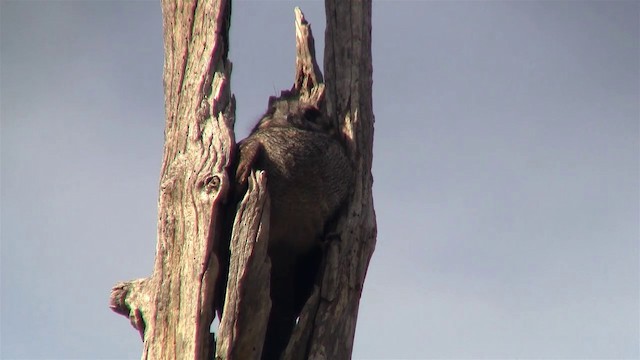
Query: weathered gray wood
(247, 304)
(308, 82)
(348, 97)
(174, 307)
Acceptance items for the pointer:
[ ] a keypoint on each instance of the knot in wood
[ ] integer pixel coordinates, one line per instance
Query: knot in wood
(211, 183)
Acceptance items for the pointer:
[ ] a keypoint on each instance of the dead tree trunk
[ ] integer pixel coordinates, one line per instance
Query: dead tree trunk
(173, 309)
(327, 324)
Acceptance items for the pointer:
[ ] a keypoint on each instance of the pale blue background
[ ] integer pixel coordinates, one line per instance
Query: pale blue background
(506, 165)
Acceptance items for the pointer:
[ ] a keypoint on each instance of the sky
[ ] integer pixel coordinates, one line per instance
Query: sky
(506, 172)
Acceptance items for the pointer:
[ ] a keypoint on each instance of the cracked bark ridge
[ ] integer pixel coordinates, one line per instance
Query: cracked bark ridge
(173, 308)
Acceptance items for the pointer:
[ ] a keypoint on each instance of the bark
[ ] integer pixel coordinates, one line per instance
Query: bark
(173, 308)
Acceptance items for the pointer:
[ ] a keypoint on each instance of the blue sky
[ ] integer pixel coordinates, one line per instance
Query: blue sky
(506, 169)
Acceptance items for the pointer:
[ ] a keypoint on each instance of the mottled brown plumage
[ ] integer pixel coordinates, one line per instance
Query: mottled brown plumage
(308, 178)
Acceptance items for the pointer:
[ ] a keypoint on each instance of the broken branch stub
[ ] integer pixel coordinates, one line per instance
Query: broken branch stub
(308, 82)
